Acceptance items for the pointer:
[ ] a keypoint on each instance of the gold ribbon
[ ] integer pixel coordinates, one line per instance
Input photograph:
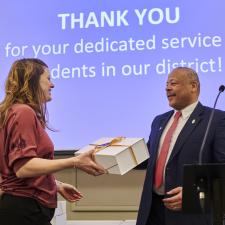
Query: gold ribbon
(100, 147)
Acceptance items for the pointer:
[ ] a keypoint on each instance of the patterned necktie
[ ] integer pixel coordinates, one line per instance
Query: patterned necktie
(161, 161)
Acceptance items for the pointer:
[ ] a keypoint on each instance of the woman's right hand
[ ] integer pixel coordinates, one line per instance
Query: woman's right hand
(86, 162)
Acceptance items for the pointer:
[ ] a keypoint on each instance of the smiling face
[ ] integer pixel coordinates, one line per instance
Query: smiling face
(46, 85)
(182, 88)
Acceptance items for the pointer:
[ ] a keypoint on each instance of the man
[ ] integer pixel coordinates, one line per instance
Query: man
(175, 140)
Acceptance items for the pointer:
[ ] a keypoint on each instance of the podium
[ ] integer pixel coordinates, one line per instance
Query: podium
(204, 190)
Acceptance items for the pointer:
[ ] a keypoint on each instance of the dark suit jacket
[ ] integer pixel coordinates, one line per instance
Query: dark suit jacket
(185, 151)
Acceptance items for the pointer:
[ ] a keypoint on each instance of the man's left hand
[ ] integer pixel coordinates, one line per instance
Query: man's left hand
(175, 201)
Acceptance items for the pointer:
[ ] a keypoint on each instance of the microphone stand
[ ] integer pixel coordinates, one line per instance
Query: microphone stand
(221, 89)
(204, 184)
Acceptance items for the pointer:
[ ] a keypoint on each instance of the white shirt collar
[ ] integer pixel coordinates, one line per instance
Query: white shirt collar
(187, 111)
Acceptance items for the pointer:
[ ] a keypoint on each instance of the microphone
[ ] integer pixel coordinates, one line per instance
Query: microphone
(202, 184)
(221, 89)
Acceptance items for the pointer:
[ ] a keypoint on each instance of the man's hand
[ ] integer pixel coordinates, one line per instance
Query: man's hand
(175, 201)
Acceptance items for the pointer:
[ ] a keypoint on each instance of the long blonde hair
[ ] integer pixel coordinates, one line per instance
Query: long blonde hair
(22, 86)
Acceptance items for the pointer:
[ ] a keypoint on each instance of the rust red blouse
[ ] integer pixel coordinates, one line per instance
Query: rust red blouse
(22, 138)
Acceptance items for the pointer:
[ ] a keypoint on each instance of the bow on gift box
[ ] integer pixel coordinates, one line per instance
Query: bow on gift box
(114, 143)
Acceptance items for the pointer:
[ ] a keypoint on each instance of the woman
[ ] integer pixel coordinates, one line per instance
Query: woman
(26, 151)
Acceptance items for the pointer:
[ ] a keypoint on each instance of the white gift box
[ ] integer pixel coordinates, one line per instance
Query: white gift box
(118, 155)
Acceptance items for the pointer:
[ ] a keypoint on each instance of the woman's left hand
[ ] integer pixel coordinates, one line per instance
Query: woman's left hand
(69, 192)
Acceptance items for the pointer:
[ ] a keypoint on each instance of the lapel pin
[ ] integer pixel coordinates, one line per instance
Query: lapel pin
(193, 121)
(160, 128)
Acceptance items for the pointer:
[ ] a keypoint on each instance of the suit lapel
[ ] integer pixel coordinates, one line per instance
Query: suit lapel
(159, 129)
(187, 130)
